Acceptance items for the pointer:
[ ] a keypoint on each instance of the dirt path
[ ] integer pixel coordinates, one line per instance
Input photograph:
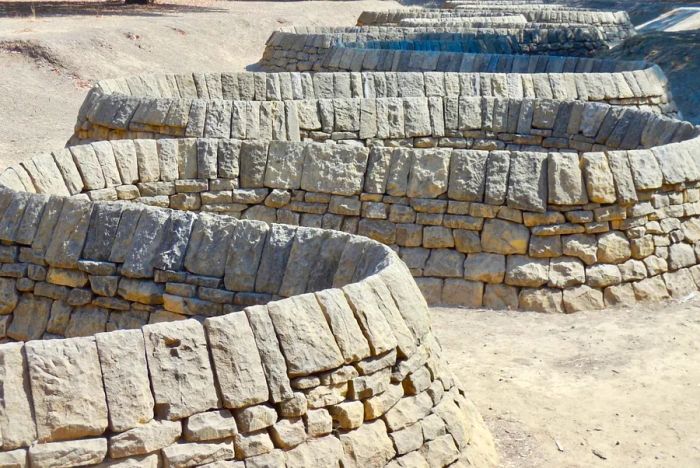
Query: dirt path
(614, 388)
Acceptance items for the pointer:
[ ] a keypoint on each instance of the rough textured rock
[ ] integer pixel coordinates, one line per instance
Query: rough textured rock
(17, 428)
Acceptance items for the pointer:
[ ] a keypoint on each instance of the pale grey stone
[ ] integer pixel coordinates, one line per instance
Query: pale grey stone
(336, 169)
(285, 161)
(17, 428)
(145, 439)
(566, 186)
(244, 254)
(468, 175)
(68, 454)
(428, 174)
(527, 182)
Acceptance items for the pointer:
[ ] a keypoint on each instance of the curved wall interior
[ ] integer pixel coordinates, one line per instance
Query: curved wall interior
(143, 336)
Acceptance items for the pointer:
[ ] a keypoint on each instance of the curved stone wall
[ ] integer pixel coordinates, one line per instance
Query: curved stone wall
(141, 336)
(539, 13)
(559, 206)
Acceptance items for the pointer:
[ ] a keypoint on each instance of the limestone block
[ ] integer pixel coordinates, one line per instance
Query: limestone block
(147, 238)
(305, 338)
(147, 160)
(497, 170)
(613, 247)
(527, 181)
(621, 294)
(445, 263)
(67, 389)
(624, 183)
(485, 267)
(522, 270)
(253, 158)
(582, 246)
(541, 300)
(271, 356)
(178, 363)
(467, 241)
(599, 178)
(650, 289)
(428, 175)
(88, 166)
(106, 158)
(68, 454)
(348, 335)
(336, 169)
(565, 179)
(30, 318)
(324, 451)
(196, 454)
(372, 321)
(212, 425)
(145, 439)
(46, 176)
(244, 254)
(407, 411)
(69, 171)
(318, 422)
(69, 234)
(500, 297)
(645, 170)
(125, 374)
(410, 460)
(462, 293)
(565, 272)
(408, 439)
(17, 428)
(680, 283)
(504, 237)
(582, 298)
(288, 433)
(145, 292)
(253, 444)
(236, 360)
(468, 175)
(14, 458)
(680, 256)
(441, 451)
(255, 418)
(8, 296)
(285, 162)
(436, 237)
(209, 243)
(603, 275)
(398, 172)
(367, 446)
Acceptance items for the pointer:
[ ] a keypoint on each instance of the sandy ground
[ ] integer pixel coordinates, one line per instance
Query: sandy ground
(556, 390)
(615, 388)
(48, 61)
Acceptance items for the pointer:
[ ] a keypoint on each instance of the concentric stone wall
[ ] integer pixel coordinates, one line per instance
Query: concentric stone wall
(179, 339)
(556, 207)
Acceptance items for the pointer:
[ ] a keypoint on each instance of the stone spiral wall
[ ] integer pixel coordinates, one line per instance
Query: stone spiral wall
(302, 104)
(556, 207)
(141, 336)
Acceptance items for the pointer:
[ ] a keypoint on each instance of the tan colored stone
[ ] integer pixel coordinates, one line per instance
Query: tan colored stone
(211, 425)
(541, 300)
(582, 298)
(68, 454)
(66, 381)
(324, 451)
(194, 454)
(367, 446)
(613, 247)
(288, 433)
(17, 428)
(503, 237)
(144, 439)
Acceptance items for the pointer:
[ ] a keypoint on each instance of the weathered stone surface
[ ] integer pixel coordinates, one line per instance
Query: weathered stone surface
(334, 169)
(69, 234)
(288, 433)
(599, 178)
(522, 270)
(566, 185)
(30, 318)
(305, 338)
(253, 444)
(680, 256)
(367, 446)
(428, 176)
(125, 374)
(603, 275)
(348, 335)
(541, 300)
(273, 361)
(68, 454)
(285, 161)
(651, 290)
(486, 267)
(613, 247)
(209, 243)
(17, 428)
(582, 298)
(212, 425)
(527, 182)
(145, 439)
(468, 175)
(14, 458)
(67, 389)
(583, 246)
(178, 363)
(245, 251)
(373, 322)
(504, 237)
(324, 451)
(8, 296)
(565, 272)
(255, 418)
(236, 359)
(195, 454)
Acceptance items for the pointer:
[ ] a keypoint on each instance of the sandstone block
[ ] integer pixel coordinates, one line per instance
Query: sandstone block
(485, 267)
(527, 182)
(68, 454)
(67, 389)
(462, 293)
(613, 247)
(236, 359)
(288, 433)
(651, 290)
(17, 428)
(367, 446)
(566, 185)
(504, 237)
(145, 439)
(428, 176)
(603, 275)
(541, 300)
(500, 297)
(178, 363)
(211, 425)
(324, 451)
(195, 454)
(125, 375)
(350, 339)
(582, 298)
(468, 175)
(334, 169)
(522, 270)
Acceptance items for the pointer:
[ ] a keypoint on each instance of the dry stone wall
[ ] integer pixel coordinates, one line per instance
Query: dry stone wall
(142, 336)
(557, 207)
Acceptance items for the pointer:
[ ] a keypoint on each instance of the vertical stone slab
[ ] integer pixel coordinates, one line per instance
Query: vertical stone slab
(147, 160)
(370, 317)
(273, 362)
(305, 338)
(88, 166)
(209, 244)
(273, 261)
(565, 180)
(150, 231)
(125, 157)
(527, 182)
(125, 375)
(69, 234)
(429, 173)
(245, 251)
(302, 259)
(17, 428)
(624, 183)
(467, 175)
(237, 363)
(178, 364)
(348, 335)
(408, 298)
(67, 388)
